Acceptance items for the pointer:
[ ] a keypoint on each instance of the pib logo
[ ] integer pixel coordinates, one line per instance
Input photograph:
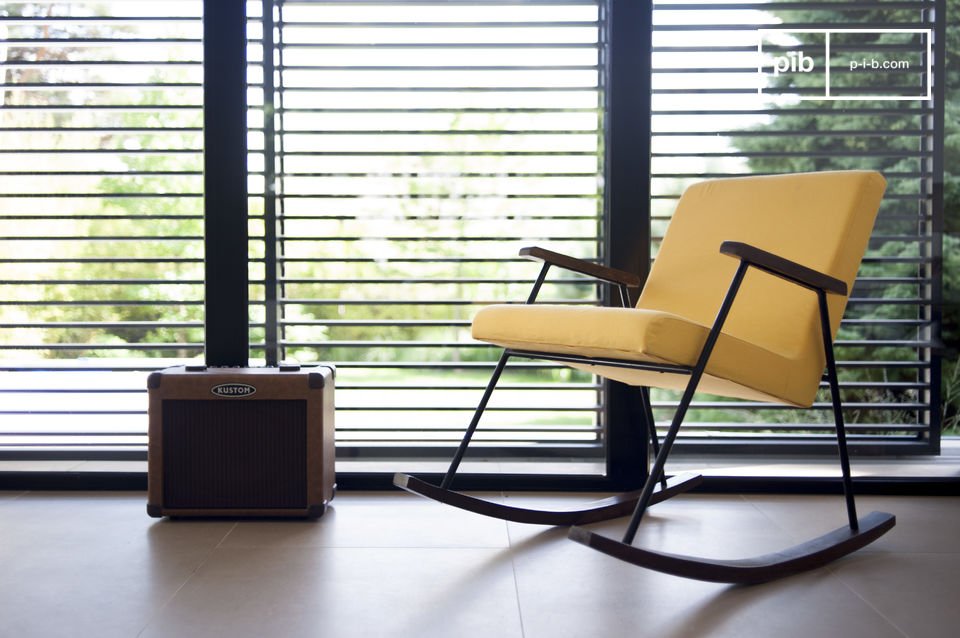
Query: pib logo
(818, 64)
(792, 62)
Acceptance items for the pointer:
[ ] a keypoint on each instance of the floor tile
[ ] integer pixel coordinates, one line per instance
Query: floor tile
(918, 593)
(377, 519)
(75, 565)
(347, 593)
(92, 522)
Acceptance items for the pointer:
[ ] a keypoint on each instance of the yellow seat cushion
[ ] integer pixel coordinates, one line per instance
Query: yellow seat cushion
(737, 368)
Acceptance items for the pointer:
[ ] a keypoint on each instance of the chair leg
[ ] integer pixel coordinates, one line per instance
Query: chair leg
(652, 429)
(661, 459)
(468, 435)
(837, 412)
(678, 416)
(668, 440)
(803, 557)
(812, 554)
(494, 378)
(601, 510)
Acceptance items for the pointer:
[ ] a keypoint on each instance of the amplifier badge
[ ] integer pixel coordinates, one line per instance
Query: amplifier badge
(233, 390)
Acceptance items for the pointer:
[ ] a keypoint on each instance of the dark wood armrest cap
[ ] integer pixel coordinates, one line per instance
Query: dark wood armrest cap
(604, 273)
(781, 267)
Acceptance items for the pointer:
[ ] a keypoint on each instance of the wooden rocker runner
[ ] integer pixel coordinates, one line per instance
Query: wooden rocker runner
(744, 300)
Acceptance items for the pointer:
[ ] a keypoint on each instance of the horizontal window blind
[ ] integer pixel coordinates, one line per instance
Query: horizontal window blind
(418, 147)
(101, 254)
(730, 99)
(401, 154)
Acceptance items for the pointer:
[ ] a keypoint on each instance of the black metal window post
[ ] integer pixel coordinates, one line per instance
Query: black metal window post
(225, 182)
(627, 215)
(933, 211)
(272, 269)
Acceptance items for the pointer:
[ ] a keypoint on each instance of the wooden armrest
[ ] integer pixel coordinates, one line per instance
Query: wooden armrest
(583, 267)
(783, 268)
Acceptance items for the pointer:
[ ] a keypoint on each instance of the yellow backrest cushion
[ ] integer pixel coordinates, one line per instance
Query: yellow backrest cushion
(821, 220)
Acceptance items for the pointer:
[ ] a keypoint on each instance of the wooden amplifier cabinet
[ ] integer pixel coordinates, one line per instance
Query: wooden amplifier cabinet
(241, 441)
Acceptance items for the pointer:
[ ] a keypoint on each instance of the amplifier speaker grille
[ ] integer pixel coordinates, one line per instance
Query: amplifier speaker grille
(234, 454)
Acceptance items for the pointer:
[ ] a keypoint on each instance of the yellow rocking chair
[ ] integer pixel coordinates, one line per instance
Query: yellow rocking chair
(744, 300)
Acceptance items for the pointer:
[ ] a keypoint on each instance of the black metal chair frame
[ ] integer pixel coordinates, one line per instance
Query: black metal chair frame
(809, 555)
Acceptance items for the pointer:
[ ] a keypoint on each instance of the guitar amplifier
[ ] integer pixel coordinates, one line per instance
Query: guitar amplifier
(241, 441)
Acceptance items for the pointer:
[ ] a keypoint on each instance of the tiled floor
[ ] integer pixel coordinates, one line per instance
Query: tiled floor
(385, 565)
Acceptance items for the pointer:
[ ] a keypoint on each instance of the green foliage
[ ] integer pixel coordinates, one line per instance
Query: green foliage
(134, 281)
(101, 296)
